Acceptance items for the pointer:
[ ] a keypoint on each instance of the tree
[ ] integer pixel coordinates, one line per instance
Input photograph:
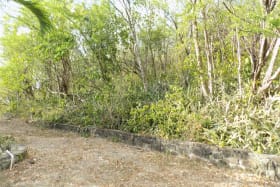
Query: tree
(260, 27)
(130, 15)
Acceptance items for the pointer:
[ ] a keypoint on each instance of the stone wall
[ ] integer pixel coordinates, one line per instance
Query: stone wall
(19, 153)
(262, 164)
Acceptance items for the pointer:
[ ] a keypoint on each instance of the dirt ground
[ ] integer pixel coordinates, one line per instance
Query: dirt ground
(58, 158)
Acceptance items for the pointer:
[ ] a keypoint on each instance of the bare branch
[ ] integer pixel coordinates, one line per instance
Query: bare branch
(275, 75)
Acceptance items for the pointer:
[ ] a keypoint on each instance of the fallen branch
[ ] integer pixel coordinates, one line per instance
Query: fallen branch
(12, 158)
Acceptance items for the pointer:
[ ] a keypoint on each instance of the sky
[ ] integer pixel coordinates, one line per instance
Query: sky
(7, 8)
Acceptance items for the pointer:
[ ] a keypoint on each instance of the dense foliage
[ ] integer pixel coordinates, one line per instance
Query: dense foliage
(200, 70)
(6, 142)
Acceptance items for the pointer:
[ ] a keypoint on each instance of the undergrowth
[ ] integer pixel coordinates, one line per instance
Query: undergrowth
(229, 120)
(6, 142)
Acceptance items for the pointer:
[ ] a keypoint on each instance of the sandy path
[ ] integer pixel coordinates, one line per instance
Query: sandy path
(66, 159)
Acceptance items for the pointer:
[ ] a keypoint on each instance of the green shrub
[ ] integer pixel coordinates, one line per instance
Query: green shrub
(110, 105)
(244, 125)
(227, 121)
(5, 142)
(168, 118)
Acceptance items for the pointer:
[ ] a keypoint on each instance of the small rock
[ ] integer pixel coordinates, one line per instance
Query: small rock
(32, 161)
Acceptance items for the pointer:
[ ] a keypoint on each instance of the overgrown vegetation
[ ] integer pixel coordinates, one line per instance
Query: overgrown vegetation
(6, 142)
(203, 70)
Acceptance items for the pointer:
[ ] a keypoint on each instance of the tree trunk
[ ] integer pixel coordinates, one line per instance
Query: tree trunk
(260, 63)
(153, 62)
(136, 49)
(64, 84)
(209, 56)
(269, 77)
(238, 53)
(204, 88)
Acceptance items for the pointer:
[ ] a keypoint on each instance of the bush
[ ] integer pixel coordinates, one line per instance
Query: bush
(110, 105)
(6, 142)
(168, 118)
(245, 125)
(227, 121)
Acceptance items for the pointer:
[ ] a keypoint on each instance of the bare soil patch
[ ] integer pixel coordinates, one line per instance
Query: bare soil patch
(58, 158)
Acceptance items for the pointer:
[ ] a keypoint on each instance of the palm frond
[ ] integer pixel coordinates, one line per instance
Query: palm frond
(39, 12)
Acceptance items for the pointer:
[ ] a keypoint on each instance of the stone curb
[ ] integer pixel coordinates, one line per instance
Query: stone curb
(19, 153)
(262, 164)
